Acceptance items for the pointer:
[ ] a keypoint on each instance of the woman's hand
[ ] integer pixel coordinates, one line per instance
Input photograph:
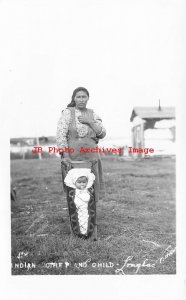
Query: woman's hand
(85, 120)
(90, 121)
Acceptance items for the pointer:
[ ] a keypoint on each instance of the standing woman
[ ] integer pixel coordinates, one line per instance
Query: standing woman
(80, 127)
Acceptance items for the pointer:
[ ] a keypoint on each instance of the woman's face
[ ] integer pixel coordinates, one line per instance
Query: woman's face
(81, 99)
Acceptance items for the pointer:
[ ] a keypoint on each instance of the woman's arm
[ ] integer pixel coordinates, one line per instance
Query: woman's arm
(62, 128)
(98, 122)
(98, 129)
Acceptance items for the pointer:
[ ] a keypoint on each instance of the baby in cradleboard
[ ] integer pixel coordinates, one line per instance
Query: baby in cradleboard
(81, 179)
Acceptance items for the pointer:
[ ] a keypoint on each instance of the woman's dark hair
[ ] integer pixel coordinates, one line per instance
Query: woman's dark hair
(72, 103)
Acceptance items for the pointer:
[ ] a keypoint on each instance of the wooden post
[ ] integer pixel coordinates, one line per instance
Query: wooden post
(142, 137)
(37, 142)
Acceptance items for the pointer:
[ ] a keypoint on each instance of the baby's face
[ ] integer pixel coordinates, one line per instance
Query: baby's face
(81, 183)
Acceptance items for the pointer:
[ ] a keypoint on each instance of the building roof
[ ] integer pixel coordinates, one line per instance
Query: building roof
(149, 112)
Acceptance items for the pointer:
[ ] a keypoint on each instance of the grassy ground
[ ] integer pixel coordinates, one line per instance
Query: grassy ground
(136, 221)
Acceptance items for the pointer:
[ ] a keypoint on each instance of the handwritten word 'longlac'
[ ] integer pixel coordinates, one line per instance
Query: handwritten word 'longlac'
(128, 264)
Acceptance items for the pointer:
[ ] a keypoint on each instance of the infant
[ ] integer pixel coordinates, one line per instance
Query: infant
(81, 179)
(81, 190)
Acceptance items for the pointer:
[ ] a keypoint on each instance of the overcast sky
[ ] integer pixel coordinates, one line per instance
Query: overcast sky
(126, 53)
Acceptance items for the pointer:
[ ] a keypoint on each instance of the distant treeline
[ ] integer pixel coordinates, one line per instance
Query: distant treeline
(31, 141)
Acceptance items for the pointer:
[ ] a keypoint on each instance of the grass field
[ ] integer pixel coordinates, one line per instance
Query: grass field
(136, 221)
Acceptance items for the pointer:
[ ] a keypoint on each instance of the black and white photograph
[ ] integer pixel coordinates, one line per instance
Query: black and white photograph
(93, 94)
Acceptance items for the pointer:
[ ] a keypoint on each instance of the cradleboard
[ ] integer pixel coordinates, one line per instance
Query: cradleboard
(72, 209)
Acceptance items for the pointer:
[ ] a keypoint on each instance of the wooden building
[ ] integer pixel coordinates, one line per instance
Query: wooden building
(154, 127)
